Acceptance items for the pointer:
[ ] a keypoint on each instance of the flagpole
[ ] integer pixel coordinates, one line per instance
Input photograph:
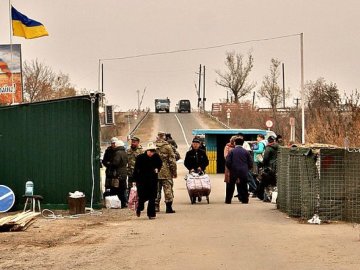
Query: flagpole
(11, 55)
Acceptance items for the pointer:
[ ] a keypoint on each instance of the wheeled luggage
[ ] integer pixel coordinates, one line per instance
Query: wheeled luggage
(198, 186)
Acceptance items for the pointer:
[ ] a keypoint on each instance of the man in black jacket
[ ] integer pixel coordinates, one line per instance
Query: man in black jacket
(196, 160)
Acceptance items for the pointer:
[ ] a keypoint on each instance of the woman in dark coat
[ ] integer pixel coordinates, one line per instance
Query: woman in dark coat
(115, 160)
(147, 166)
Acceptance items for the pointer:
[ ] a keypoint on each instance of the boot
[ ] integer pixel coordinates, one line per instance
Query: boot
(169, 209)
(157, 207)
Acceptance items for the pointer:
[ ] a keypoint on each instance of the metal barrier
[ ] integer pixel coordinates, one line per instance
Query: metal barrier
(319, 181)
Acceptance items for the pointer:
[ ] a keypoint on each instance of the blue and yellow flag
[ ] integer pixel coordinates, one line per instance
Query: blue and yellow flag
(25, 27)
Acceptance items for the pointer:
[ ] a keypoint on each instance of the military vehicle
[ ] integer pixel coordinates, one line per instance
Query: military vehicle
(162, 105)
(183, 106)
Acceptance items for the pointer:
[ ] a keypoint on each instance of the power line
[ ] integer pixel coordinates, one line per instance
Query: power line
(197, 49)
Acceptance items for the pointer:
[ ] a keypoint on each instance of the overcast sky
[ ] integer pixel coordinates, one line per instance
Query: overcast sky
(83, 31)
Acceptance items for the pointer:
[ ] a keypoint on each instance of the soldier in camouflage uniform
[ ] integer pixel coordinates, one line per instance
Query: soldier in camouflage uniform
(134, 150)
(167, 173)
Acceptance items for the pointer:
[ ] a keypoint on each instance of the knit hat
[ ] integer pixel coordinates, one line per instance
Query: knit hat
(119, 143)
(114, 140)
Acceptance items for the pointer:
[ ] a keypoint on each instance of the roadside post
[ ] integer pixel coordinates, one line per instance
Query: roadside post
(292, 129)
(228, 112)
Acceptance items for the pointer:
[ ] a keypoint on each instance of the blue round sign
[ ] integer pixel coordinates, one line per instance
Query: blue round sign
(7, 198)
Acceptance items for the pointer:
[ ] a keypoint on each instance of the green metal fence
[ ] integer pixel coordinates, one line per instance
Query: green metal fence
(55, 144)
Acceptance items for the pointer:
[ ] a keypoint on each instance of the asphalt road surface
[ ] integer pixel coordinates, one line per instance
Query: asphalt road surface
(236, 236)
(199, 236)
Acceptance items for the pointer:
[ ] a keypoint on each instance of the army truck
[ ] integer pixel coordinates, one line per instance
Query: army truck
(162, 105)
(183, 106)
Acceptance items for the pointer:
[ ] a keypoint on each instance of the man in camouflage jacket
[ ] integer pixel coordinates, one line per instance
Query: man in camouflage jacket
(167, 173)
(134, 150)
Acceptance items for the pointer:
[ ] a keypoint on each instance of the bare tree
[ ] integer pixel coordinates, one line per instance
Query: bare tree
(62, 86)
(322, 95)
(235, 78)
(38, 79)
(270, 89)
(325, 120)
(41, 83)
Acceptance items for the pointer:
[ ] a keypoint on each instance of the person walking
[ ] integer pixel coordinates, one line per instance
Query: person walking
(146, 169)
(166, 174)
(196, 161)
(133, 151)
(239, 163)
(115, 160)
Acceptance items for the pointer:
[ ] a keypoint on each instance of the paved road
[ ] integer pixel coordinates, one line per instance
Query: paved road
(236, 236)
(221, 236)
(180, 125)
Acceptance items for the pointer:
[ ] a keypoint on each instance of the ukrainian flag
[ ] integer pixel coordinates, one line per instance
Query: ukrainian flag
(25, 27)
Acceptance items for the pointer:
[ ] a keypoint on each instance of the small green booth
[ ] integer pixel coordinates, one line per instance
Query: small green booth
(216, 139)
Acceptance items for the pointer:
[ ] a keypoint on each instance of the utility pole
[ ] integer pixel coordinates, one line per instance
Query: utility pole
(204, 98)
(302, 89)
(102, 84)
(283, 73)
(297, 102)
(138, 94)
(199, 98)
(253, 103)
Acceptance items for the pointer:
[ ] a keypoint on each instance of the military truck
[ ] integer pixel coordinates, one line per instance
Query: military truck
(162, 105)
(183, 106)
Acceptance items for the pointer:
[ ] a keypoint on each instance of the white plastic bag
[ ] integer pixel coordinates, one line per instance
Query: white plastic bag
(274, 196)
(112, 202)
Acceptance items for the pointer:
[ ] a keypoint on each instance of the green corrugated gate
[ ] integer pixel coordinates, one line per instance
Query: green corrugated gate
(51, 144)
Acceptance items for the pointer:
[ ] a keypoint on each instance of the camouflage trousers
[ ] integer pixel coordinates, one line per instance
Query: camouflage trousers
(167, 184)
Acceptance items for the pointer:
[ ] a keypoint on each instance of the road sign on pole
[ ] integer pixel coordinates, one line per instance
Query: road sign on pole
(269, 124)
(7, 198)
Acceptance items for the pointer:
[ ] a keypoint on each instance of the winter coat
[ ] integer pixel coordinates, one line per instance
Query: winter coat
(115, 160)
(132, 154)
(239, 163)
(172, 142)
(227, 149)
(260, 149)
(270, 156)
(195, 159)
(145, 175)
(167, 155)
